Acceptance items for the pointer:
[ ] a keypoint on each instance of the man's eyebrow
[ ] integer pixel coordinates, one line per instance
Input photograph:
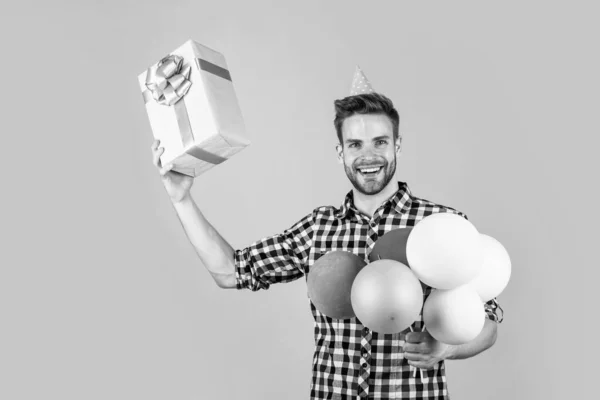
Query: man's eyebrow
(381, 137)
(354, 140)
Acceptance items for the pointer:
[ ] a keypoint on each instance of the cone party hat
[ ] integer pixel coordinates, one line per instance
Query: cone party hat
(360, 83)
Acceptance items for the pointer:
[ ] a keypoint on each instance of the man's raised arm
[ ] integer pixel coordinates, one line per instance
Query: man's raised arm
(214, 252)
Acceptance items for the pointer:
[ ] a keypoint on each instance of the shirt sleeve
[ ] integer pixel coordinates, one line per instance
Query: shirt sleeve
(274, 259)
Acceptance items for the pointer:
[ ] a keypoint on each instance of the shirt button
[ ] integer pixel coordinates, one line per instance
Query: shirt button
(364, 365)
(365, 354)
(366, 330)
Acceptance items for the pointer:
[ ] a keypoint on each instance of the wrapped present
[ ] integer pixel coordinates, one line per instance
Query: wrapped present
(193, 109)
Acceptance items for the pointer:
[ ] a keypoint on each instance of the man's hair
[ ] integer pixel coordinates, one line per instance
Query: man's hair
(370, 103)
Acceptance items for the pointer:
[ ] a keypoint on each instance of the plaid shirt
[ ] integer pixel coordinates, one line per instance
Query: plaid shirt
(350, 361)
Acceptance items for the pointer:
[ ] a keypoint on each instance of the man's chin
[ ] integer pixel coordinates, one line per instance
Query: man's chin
(370, 190)
(370, 187)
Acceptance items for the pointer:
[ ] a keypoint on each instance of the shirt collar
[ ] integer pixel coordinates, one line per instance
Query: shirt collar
(399, 202)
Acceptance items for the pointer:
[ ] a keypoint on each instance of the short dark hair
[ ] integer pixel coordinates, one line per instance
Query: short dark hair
(369, 103)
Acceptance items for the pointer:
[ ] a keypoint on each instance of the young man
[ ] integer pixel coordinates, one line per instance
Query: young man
(350, 361)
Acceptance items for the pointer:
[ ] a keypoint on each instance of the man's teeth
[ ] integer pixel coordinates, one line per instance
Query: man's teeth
(369, 170)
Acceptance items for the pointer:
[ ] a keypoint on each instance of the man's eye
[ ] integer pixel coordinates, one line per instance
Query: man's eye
(382, 141)
(353, 145)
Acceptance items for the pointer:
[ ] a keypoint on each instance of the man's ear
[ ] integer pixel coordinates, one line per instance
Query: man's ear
(340, 153)
(399, 144)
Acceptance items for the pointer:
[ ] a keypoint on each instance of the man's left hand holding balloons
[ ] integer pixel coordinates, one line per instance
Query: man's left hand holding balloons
(422, 350)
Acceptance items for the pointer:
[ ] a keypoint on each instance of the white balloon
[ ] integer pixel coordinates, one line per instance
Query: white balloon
(495, 269)
(454, 316)
(386, 296)
(444, 250)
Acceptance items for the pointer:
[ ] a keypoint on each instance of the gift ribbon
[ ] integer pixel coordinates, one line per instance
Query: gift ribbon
(213, 69)
(168, 83)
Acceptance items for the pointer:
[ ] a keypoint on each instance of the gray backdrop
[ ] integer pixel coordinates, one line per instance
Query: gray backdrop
(102, 296)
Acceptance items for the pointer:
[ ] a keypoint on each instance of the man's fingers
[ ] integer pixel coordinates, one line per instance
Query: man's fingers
(420, 364)
(157, 154)
(414, 337)
(166, 169)
(412, 347)
(414, 356)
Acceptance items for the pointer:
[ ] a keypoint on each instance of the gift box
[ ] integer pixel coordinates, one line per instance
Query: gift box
(193, 109)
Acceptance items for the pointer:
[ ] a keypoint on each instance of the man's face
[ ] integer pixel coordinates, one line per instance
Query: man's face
(368, 151)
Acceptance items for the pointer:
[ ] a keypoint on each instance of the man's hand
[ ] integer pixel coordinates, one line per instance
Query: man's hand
(423, 351)
(177, 185)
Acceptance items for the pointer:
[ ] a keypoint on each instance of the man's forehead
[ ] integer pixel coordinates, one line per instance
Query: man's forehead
(361, 126)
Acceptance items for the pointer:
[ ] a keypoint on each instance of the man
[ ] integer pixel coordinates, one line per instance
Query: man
(350, 361)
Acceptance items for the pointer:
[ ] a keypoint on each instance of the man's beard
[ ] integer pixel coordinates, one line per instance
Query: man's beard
(371, 186)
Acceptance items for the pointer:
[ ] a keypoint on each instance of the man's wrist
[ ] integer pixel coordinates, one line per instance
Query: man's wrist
(451, 351)
(185, 199)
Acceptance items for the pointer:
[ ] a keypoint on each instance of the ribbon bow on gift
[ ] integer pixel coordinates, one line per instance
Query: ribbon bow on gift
(167, 81)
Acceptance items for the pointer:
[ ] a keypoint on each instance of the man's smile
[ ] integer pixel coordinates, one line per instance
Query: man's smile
(370, 171)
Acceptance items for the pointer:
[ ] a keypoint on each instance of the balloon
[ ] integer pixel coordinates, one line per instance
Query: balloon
(386, 296)
(444, 250)
(330, 282)
(391, 246)
(454, 316)
(495, 270)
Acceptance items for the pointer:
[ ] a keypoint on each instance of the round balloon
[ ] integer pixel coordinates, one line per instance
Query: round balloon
(495, 270)
(454, 316)
(391, 246)
(444, 250)
(386, 296)
(330, 281)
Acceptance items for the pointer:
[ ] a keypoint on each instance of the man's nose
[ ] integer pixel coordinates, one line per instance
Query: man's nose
(368, 152)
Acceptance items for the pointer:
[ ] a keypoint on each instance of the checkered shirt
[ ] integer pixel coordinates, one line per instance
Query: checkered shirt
(350, 361)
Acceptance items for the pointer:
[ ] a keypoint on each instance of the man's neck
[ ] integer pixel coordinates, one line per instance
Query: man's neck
(367, 204)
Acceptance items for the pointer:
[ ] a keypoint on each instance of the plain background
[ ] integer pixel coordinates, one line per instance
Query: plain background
(103, 297)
